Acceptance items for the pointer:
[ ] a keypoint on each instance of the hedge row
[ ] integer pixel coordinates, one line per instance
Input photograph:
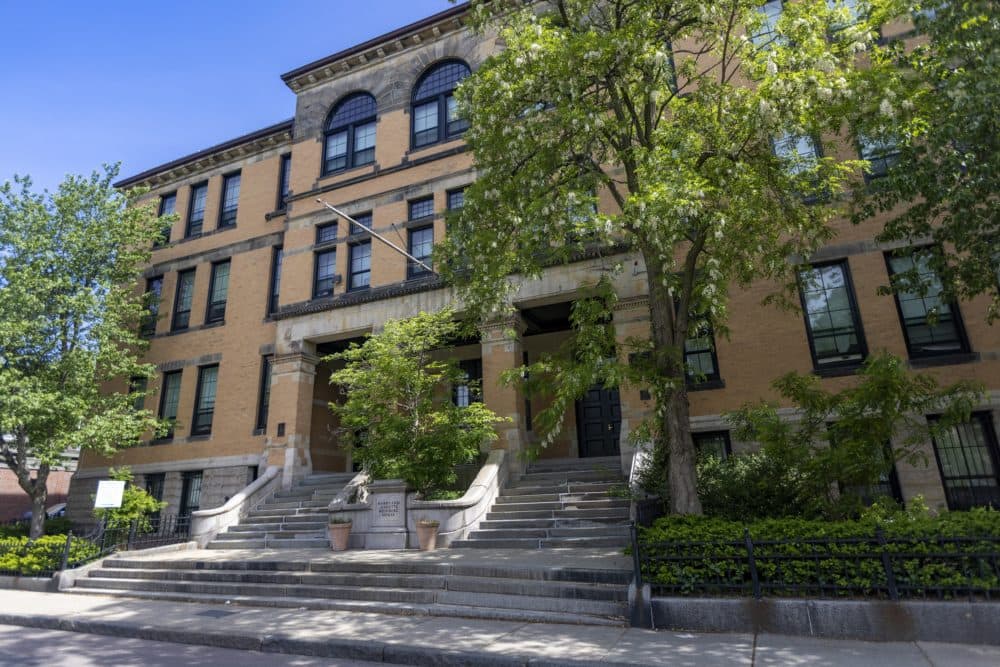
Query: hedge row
(954, 554)
(57, 526)
(21, 556)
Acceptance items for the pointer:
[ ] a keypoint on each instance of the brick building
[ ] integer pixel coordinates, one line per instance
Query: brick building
(259, 281)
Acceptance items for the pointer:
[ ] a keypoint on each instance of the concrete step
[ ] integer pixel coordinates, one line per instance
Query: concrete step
(596, 462)
(560, 488)
(601, 503)
(332, 479)
(536, 543)
(279, 534)
(569, 476)
(270, 543)
(262, 590)
(310, 512)
(549, 523)
(620, 531)
(555, 496)
(598, 513)
(257, 527)
(409, 581)
(396, 608)
(533, 603)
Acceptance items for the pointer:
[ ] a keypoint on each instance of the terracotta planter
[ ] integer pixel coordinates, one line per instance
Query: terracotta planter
(339, 534)
(427, 532)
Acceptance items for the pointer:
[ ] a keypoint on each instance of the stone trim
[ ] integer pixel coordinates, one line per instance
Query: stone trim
(214, 254)
(204, 360)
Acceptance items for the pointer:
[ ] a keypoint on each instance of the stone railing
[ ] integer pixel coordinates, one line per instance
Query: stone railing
(457, 518)
(206, 524)
(386, 516)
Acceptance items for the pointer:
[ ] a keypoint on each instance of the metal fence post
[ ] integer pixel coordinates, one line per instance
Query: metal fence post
(754, 577)
(65, 556)
(890, 576)
(636, 559)
(131, 534)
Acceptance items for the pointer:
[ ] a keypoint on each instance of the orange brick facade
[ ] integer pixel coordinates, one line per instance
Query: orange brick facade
(298, 435)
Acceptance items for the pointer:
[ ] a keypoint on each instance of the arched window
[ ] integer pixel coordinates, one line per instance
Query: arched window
(350, 134)
(434, 102)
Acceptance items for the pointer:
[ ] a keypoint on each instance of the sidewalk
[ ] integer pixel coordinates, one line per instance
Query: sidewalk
(425, 640)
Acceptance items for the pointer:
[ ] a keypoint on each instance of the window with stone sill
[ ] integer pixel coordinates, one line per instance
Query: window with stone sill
(349, 140)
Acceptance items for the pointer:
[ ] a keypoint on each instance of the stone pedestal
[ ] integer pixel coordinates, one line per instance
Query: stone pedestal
(386, 527)
(292, 384)
(502, 351)
(631, 321)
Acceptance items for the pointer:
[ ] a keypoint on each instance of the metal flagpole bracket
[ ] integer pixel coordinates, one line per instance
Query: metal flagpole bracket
(376, 235)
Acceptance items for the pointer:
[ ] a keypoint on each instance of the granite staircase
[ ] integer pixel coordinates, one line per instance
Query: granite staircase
(557, 503)
(292, 519)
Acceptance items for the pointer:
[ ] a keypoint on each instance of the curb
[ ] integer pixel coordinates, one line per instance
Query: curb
(350, 649)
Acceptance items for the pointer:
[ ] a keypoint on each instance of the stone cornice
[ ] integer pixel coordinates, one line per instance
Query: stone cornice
(373, 51)
(239, 148)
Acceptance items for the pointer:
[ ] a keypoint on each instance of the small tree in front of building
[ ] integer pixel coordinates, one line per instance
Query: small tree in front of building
(398, 415)
(69, 325)
(698, 122)
(137, 504)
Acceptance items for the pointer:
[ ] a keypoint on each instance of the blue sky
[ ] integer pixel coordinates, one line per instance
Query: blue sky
(143, 83)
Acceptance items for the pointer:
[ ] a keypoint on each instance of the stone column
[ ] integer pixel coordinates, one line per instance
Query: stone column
(293, 380)
(502, 350)
(631, 320)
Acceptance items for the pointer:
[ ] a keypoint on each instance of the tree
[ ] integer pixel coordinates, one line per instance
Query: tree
(837, 440)
(398, 414)
(69, 322)
(943, 115)
(690, 128)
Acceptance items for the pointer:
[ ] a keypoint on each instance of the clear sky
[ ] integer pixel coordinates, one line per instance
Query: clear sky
(143, 83)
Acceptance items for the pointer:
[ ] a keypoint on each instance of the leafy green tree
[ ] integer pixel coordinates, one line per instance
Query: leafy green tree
(834, 439)
(671, 112)
(398, 413)
(943, 113)
(137, 505)
(69, 322)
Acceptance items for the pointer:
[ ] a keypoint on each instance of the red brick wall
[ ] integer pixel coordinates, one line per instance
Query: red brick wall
(14, 501)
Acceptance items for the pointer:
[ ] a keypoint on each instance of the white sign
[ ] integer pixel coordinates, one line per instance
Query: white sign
(109, 494)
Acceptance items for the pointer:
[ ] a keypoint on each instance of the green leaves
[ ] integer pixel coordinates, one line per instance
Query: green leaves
(398, 412)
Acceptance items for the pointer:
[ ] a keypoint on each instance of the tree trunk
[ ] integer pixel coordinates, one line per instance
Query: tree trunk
(674, 428)
(39, 493)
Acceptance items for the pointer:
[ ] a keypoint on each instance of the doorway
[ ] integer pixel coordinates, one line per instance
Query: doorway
(599, 422)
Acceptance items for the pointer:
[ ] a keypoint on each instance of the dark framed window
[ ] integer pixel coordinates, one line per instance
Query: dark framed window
(882, 155)
(456, 199)
(799, 152)
(420, 244)
(363, 218)
(264, 396)
(204, 401)
(230, 200)
(700, 361)
(170, 398)
(969, 461)
(324, 273)
(350, 134)
(190, 493)
(931, 326)
(833, 323)
(154, 294)
(168, 206)
(182, 300)
(887, 486)
(767, 34)
(154, 487)
(274, 291)
(284, 181)
(360, 258)
(137, 385)
(196, 210)
(713, 443)
(421, 208)
(326, 233)
(434, 110)
(218, 291)
(470, 389)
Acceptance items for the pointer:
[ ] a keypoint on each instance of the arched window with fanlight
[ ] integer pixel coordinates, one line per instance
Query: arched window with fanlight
(435, 110)
(350, 134)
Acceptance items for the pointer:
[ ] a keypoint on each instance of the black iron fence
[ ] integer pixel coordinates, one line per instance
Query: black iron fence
(20, 556)
(875, 566)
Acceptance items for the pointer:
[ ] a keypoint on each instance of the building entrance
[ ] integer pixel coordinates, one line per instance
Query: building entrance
(598, 422)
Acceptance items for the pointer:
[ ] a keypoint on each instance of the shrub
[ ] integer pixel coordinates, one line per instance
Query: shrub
(57, 526)
(137, 504)
(19, 555)
(686, 554)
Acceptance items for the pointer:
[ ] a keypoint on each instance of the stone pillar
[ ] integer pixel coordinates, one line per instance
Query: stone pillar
(631, 320)
(502, 351)
(293, 380)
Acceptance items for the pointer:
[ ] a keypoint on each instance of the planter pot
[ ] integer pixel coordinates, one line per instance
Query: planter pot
(339, 534)
(427, 532)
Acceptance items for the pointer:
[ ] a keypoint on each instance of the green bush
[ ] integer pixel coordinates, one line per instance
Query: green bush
(688, 554)
(58, 526)
(19, 555)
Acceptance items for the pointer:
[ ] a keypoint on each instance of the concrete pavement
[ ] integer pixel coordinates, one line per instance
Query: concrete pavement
(453, 641)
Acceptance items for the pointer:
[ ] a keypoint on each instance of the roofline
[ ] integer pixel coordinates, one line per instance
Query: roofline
(283, 126)
(371, 43)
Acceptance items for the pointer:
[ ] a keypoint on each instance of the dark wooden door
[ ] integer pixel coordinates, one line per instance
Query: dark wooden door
(599, 422)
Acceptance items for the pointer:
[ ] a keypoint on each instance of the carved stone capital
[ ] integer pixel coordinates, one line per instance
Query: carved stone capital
(507, 328)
